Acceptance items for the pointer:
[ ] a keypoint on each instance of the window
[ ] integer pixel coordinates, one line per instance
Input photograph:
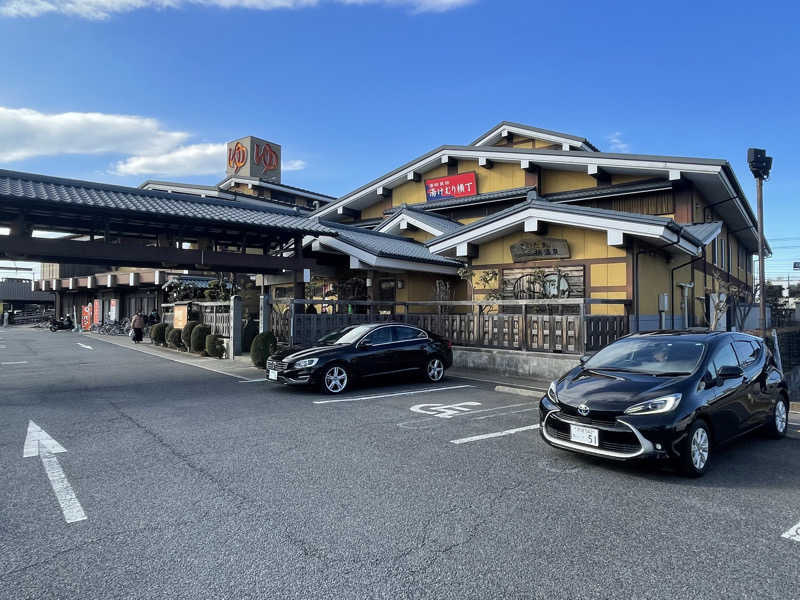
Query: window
(748, 352)
(380, 336)
(725, 357)
(407, 333)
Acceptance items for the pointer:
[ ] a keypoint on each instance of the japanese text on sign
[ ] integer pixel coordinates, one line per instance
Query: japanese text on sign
(452, 186)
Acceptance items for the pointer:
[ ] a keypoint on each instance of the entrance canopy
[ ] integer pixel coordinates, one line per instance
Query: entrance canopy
(123, 226)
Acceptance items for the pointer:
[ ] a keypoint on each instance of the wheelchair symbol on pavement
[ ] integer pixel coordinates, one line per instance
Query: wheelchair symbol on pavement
(444, 411)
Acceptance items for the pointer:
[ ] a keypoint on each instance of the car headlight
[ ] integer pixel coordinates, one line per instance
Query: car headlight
(552, 395)
(656, 405)
(305, 363)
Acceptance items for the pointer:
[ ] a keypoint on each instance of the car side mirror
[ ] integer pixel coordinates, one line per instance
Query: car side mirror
(365, 344)
(584, 358)
(730, 372)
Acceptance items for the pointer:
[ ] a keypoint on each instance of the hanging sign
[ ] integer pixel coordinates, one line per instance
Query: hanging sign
(451, 186)
(86, 317)
(180, 316)
(112, 311)
(97, 313)
(539, 248)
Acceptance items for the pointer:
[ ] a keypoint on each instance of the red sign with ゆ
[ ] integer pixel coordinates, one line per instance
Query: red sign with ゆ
(452, 186)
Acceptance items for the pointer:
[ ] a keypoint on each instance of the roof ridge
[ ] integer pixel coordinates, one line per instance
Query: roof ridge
(110, 187)
(346, 227)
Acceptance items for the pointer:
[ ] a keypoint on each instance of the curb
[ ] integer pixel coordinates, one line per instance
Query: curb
(518, 391)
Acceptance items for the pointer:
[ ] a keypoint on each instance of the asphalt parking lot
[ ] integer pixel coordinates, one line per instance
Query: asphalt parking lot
(195, 484)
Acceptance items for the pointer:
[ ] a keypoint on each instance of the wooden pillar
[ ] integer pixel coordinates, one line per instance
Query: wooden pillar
(236, 326)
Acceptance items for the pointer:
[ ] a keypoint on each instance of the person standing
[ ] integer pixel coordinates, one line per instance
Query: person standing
(137, 324)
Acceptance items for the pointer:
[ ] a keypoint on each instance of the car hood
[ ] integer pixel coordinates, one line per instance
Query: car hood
(611, 391)
(292, 354)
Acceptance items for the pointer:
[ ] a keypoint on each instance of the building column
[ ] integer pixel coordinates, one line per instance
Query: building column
(236, 326)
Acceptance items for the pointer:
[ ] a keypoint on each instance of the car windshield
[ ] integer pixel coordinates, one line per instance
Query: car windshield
(652, 357)
(333, 336)
(350, 336)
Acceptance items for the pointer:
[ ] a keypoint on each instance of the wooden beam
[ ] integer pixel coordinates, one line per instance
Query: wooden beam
(486, 163)
(413, 176)
(348, 212)
(384, 192)
(98, 253)
(602, 176)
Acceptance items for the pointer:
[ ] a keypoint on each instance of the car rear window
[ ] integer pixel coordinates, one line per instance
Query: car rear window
(650, 356)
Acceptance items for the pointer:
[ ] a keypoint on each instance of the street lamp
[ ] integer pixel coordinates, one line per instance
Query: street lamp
(760, 165)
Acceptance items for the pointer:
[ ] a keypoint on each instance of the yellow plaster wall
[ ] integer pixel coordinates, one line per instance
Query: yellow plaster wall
(376, 210)
(502, 176)
(468, 220)
(612, 274)
(611, 309)
(418, 235)
(563, 181)
(583, 244)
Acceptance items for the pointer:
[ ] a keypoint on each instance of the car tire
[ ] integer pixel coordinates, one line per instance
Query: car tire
(434, 369)
(779, 419)
(335, 379)
(696, 449)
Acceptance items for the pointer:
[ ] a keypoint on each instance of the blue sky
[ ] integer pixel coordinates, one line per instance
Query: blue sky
(351, 89)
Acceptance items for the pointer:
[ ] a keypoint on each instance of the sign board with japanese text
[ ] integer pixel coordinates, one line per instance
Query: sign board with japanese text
(97, 312)
(86, 317)
(113, 313)
(451, 186)
(534, 247)
(254, 157)
(180, 316)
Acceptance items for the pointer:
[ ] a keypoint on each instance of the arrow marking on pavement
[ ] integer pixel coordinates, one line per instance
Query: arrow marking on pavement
(84, 346)
(38, 442)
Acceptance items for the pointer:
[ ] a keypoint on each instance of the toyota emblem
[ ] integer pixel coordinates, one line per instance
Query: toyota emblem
(583, 410)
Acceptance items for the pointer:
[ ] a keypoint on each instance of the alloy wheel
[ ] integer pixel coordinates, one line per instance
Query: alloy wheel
(335, 379)
(435, 369)
(781, 417)
(699, 448)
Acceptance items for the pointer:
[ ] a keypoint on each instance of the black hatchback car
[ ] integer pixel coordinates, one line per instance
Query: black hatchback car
(361, 352)
(666, 394)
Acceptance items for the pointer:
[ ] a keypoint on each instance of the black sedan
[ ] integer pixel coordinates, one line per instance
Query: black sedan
(362, 352)
(675, 394)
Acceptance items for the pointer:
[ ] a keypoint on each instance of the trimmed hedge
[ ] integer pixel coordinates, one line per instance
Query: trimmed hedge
(263, 345)
(158, 334)
(186, 334)
(215, 346)
(198, 340)
(167, 330)
(174, 339)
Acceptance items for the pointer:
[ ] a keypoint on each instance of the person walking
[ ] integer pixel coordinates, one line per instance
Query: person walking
(137, 324)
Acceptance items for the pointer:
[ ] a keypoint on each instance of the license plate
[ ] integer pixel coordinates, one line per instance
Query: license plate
(583, 435)
(273, 374)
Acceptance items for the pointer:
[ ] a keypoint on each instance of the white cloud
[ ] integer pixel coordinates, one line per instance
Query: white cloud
(26, 133)
(149, 148)
(103, 9)
(617, 144)
(293, 165)
(192, 159)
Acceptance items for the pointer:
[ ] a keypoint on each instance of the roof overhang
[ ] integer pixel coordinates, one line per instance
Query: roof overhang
(502, 130)
(401, 220)
(229, 182)
(714, 178)
(528, 218)
(362, 259)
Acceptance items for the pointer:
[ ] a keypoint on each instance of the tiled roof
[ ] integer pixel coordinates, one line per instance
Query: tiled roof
(388, 246)
(438, 222)
(704, 232)
(478, 198)
(89, 195)
(608, 190)
(535, 202)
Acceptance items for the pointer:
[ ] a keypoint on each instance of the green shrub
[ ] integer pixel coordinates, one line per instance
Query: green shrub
(249, 332)
(215, 346)
(198, 341)
(174, 339)
(186, 334)
(263, 345)
(158, 334)
(167, 330)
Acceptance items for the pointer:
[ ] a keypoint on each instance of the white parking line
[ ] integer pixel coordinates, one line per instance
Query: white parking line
(793, 533)
(15, 362)
(519, 385)
(408, 393)
(494, 434)
(261, 379)
(84, 346)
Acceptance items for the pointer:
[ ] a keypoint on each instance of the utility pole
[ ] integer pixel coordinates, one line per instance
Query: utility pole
(760, 165)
